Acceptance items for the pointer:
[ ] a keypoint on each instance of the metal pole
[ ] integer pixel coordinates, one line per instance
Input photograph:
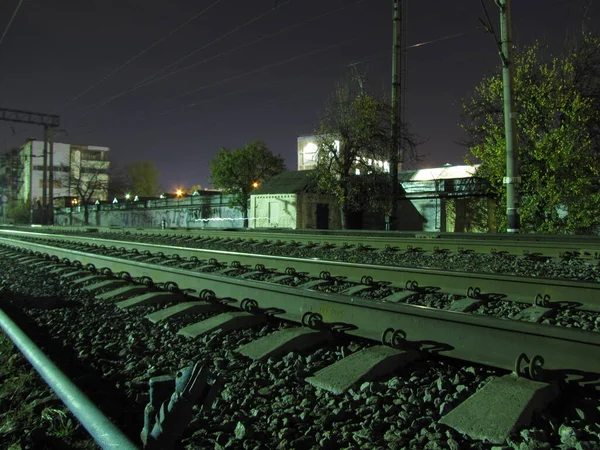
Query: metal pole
(396, 148)
(45, 175)
(104, 432)
(51, 177)
(512, 178)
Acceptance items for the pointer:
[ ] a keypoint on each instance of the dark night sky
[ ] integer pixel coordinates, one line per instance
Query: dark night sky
(272, 90)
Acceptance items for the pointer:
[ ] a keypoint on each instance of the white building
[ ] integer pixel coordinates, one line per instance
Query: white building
(85, 163)
(308, 151)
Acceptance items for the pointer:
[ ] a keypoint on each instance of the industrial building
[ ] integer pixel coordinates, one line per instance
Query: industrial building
(76, 169)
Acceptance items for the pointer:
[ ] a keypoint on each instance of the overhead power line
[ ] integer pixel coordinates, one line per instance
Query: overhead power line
(214, 41)
(375, 55)
(268, 66)
(262, 38)
(143, 52)
(218, 55)
(11, 21)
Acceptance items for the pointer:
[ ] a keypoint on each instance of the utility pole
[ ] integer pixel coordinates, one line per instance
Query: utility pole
(396, 147)
(512, 178)
(45, 177)
(51, 177)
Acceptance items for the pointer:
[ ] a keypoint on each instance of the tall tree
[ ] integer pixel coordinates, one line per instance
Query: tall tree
(142, 179)
(236, 171)
(558, 119)
(194, 188)
(354, 145)
(118, 184)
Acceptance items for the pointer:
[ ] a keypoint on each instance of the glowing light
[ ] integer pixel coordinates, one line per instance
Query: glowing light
(255, 184)
(179, 192)
(127, 196)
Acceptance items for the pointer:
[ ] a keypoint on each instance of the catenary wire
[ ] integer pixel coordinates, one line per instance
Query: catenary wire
(143, 52)
(214, 41)
(376, 55)
(151, 79)
(10, 21)
(246, 44)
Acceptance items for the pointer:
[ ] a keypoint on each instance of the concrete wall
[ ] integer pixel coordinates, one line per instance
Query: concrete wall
(274, 211)
(307, 204)
(292, 211)
(176, 213)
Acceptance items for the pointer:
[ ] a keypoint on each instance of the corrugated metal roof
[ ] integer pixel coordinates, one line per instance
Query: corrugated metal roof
(295, 181)
(439, 173)
(290, 182)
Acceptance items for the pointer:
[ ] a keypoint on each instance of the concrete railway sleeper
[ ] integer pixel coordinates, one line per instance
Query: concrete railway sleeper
(539, 355)
(528, 245)
(460, 335)
(541, 299)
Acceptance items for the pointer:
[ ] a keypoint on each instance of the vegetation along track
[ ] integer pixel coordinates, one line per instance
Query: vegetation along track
(345, 300)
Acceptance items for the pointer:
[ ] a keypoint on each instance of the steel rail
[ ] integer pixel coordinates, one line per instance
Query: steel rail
(549, 246)
(102, 430)
(580, 294)
(480, 339)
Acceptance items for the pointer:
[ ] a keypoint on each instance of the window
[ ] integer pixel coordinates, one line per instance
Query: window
(56, 168)
(57, 184)
(91, 155)
(93, 170)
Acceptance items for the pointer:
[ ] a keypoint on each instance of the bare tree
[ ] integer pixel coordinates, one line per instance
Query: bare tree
(87, 181)
(354, 146)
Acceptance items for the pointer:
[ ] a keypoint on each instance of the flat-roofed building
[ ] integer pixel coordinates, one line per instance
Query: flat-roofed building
(76, 169)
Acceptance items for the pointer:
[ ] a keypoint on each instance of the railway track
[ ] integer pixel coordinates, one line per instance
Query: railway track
(324, 297)
(530, 246)
(548, 296)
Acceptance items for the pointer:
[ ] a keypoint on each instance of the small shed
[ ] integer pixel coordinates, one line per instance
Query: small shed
(444, 195)
(290, 200)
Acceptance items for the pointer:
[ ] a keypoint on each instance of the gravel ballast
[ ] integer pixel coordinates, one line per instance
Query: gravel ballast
(112, 353)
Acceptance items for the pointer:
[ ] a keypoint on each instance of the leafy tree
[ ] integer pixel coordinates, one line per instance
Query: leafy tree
(558, 123)
(118, 183)
(354, 143)
(18, 211)
(235, 171)
(141, 179)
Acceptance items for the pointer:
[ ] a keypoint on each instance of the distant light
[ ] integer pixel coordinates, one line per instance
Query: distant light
(179, 192)
(255, 184)
(136, 198)
(310, 148)
(162, 195)
(97, 202)
(127, 196)
(115, 200)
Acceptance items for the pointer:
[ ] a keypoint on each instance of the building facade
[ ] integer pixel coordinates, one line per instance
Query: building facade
(308, 147)
(77, 170)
